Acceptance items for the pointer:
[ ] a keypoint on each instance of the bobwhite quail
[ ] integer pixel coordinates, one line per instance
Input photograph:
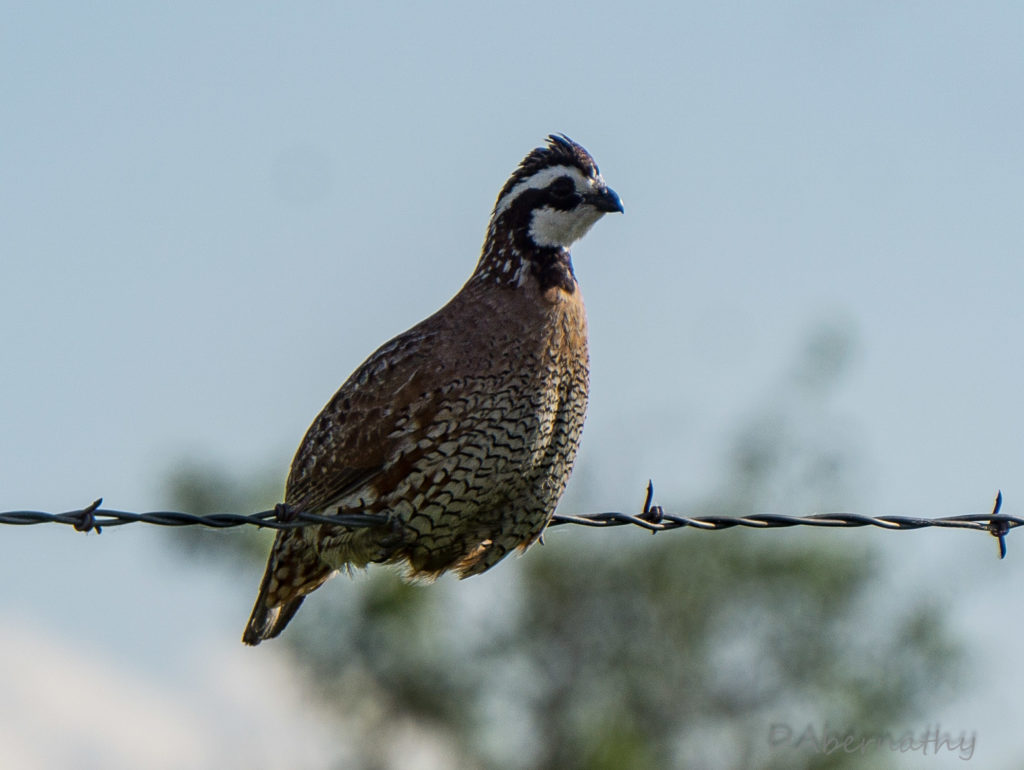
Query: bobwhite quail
(460, 433)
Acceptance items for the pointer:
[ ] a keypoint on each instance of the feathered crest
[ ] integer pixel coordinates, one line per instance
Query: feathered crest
(560, 150)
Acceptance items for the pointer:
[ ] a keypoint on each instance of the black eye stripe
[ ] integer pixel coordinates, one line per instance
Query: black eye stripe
(520, 209)
(562, 186)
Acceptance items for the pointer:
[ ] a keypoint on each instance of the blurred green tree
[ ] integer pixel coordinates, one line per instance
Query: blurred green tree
(618, 649)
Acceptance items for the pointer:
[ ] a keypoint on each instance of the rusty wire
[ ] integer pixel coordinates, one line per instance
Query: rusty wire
(651, 517)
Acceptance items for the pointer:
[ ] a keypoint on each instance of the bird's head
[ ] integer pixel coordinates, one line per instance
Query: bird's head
(554, 197)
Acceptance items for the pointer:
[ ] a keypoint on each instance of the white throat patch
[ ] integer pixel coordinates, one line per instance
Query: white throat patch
(554, 228)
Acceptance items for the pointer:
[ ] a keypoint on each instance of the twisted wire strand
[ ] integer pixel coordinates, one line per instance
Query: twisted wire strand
(651, 517)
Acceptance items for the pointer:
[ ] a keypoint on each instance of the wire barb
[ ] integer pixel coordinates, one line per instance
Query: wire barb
(651, 517)
(87, 518)
(997, 526)
(651, 514)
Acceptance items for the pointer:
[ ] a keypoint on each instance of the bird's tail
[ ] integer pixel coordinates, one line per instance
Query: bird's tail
(293, 570)
(267, 622)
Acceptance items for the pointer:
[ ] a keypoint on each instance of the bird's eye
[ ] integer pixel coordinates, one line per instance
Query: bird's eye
(563, 187)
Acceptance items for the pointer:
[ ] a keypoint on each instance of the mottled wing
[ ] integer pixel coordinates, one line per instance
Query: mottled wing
(383, 404)
(342, 453)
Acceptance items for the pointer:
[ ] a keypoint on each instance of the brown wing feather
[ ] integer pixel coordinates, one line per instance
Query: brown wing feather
(347, 445)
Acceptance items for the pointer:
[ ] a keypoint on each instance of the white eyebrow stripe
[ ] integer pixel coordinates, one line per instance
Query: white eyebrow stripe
(539, 181)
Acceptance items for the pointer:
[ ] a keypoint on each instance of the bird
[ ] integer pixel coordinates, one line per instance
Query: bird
(460, 433)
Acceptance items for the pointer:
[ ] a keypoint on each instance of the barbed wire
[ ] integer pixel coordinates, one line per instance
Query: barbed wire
(652, 518)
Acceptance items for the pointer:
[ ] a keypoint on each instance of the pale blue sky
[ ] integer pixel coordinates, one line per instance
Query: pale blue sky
(210, 214)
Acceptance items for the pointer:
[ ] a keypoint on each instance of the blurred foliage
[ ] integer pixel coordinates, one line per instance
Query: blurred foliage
(619, 649)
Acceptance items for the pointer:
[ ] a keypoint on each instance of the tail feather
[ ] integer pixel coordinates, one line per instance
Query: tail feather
(267, 622)
(293, 570)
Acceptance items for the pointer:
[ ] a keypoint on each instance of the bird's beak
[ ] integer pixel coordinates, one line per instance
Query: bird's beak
(605, 199)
